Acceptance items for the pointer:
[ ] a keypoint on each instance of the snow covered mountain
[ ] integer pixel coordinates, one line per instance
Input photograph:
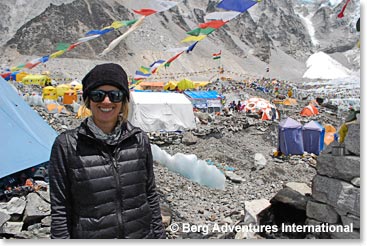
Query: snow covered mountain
(279, 34)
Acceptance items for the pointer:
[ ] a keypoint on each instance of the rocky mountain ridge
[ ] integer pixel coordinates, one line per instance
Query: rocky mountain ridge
(270, 34)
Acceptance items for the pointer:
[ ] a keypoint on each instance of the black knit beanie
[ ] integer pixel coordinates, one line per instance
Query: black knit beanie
(106, 74)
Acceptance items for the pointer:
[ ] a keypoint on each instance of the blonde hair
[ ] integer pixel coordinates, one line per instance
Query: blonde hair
(124, 112)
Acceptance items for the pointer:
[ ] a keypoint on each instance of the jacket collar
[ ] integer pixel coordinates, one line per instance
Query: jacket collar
(128, 130)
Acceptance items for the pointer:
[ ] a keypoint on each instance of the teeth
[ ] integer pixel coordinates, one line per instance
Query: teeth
(106, 109)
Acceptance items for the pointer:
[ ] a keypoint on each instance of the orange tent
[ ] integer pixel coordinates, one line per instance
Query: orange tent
(56, 108)
(329, 134)
(309, 110)
(69, 97)
(152, 85)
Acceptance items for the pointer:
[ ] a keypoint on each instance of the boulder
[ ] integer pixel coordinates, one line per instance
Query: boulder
(339, 167)
(291, 197)
(338, 194)
(321, 212)
(352, 140)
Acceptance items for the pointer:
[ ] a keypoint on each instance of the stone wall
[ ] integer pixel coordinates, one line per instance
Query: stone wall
(336, 190)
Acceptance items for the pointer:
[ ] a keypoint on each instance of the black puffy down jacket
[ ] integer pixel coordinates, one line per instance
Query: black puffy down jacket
(98, 192)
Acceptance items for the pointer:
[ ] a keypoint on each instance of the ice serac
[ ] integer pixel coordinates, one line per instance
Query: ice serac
(190, 167)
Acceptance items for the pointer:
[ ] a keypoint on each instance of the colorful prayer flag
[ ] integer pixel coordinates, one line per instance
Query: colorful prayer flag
(225, 16)
(145, 12)
(191, 47)
(341, 14)
(62, 46)
(193, 38)
(213, 24)
(199, 31)
(236, 5)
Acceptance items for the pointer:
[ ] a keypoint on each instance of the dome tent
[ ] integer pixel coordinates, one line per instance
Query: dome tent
(290, 140)
(313, 137)
(309, 110)
(263, 107)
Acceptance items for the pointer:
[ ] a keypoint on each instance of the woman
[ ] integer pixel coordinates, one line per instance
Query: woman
(101, 173)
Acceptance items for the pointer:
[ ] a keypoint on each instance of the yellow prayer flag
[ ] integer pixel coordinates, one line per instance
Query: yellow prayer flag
(57, 54)
(117, 24)
(193, 38)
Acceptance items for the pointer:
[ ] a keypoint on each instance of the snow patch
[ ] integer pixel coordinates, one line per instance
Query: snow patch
(322, 66)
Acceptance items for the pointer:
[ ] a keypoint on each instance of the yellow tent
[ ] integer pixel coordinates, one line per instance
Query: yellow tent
(200, 83)
(61, 89)
(171, 85)
(185, 84)
(49, 92)
(36, 79)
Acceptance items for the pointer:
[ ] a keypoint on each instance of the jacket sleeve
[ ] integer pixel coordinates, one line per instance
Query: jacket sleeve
(59, 190)
(153, 197)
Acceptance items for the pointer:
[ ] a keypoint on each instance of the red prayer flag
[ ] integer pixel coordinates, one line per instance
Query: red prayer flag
(145, 12)
(30, 65)
(341, 14)
(73, 46)
(213, 24)
(175, 57)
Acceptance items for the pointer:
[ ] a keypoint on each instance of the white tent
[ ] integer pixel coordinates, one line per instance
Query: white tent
(154, 111)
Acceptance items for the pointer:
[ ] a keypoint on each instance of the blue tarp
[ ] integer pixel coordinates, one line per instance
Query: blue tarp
(26, 139)
(290, 140)
(202, 94)
(313, 137)
(204, 99)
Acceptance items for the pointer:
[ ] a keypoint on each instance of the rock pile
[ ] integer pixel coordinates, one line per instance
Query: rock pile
(26, 217)
(336, 189)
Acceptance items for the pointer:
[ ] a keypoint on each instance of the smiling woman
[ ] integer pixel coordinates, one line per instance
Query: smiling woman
(103, 170)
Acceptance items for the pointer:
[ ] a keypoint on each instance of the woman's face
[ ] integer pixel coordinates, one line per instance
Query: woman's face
(105, 113)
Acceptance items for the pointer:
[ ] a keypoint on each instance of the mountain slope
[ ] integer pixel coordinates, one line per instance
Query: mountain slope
(270, 34)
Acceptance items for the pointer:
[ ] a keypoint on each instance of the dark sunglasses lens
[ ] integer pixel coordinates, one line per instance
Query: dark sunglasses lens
(115, 96)
(97, 96)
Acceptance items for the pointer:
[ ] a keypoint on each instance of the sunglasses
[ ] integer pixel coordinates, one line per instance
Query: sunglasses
(99, 96)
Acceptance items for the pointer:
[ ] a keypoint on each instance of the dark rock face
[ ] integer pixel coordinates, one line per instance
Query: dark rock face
(277, 26)
(65, 23)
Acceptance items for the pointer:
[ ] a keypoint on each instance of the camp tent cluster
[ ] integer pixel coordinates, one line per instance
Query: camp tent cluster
(295, 139)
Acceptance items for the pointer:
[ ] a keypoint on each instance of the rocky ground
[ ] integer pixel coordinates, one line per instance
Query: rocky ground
(228, 141)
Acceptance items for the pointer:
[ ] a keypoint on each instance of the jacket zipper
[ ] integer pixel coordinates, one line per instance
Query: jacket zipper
(121, 233)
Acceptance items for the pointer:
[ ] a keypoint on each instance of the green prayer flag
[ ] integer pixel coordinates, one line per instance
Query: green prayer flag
(62, 46)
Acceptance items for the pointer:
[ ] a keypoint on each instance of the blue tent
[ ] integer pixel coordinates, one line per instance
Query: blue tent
(26, 138)
(313, 137)
(290, 141)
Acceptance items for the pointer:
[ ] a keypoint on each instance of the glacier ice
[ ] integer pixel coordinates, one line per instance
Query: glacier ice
(189, 166)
